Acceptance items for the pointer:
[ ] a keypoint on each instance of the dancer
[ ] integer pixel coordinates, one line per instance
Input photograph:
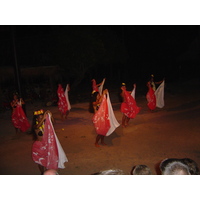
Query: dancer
(151, 98)
(19, 118)
(38, 150)
(46, 150)
(129, 107)
(104, 119)
(97, 87)
(153, 83)
(94, 102)
(155, 97)
(95, 96)
(63, 101)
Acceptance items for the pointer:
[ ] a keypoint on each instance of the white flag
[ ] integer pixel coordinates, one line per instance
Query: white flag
(67, 98)
(133, 93)
(159, 93)
(113, 121)
(101, 87)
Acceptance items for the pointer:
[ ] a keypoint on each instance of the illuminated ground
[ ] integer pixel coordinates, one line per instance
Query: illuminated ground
(169, 132)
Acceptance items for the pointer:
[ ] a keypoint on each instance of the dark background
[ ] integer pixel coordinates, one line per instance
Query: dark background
(121, 53)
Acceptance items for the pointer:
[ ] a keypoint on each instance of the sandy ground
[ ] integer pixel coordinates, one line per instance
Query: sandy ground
(171, 132)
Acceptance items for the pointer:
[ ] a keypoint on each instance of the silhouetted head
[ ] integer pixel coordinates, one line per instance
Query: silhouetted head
(110, 172)
(174, 167)
(141, 170)
(50, 172)
(192, 165)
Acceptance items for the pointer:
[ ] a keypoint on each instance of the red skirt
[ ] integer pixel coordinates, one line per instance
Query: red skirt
(19, 119)
(39, 153)
(151, 99)
(129, 107)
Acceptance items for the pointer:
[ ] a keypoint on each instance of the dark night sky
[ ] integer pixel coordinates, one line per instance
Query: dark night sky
(149, 47)
(142, 40)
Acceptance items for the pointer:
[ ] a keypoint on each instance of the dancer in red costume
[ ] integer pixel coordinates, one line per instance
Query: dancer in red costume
(19, 118)
(96, 95)
(104, 119)
(46, 150)
(63, 102)
(155, 96)
(151, 98)
(97, 87)
(129, 107)
(153, 83)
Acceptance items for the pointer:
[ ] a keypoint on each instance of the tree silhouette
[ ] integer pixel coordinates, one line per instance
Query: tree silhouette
(78, 50)
(81, 48)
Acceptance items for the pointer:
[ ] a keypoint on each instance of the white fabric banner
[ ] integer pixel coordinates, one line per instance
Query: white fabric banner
(67, 98)
(113, 121)
(159, 93)
(133, 93)
(101, 87)
(61, 154)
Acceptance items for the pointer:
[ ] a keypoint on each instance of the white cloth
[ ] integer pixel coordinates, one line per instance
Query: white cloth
(133, 93)
(113, 121)
(67, 98)
(61, 154)
(159, 93)
(101, 87)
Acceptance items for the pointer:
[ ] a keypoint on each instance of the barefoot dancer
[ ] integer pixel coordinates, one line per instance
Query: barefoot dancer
(46, 150)
(155, 97)
(95, 103)
(63, 102)
(128, 106)
(38, 150)
(150, 96)
(19, 118)
(104, 119)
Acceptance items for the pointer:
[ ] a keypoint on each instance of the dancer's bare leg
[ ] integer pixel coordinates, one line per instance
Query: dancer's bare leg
(102, 140)
(123, 121)
(126, 121)
(97, 140)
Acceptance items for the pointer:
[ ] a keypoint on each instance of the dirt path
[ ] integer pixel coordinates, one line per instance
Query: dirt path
(169, 132)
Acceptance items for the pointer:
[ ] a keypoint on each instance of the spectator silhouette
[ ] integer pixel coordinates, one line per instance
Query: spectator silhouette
(141, 170)
(174, 166)
(50, 172)
(192, 165)
(110, 172)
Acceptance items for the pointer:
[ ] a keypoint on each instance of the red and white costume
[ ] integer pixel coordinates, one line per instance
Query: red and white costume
(104, 119)
(95, 88)
(156, 99)
(151, 99)
(49, 152)
(62, 101)
(129, 106)
(19, 118)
